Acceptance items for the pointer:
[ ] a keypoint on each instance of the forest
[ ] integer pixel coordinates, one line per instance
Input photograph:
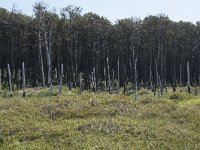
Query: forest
(89, 52)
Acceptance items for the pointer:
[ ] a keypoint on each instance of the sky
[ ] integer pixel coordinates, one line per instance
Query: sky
(185, 10)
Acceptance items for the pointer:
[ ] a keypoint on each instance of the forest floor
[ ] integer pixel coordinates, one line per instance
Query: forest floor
(99, 121)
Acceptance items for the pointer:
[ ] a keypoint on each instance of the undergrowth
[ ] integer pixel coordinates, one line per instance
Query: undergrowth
(99, 121)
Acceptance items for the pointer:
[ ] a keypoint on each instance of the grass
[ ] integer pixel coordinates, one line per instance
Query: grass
(99, 121)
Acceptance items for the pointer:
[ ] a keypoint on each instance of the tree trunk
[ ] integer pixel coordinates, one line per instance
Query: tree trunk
(10, 81)
(56, 76)
(0, 80)
(41, 58)
(131, 75)
(118, 82)
(157, 78)
(24, 81)
(161, 86)
(90, 84)
(113, 80)
(109, 82)
(150, 79)
(174, 73)
(74, 79)
(135, 71)
(94, 80)
(188, 76)
(124, 78)
(105, 83)
(80, 83)
(18, 79)
(181, 83)
(50, 64)
(50, 88)
(61, 78)
(48, 56)
(97, 73)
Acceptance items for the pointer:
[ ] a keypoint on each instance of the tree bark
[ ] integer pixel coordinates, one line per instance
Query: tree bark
(135, 71)
(0, 80)
(150, 79)
(61, 79)
(188, 76)
(181, 83)
(105, 83)
(19, 79)
(108, 70)
(80, 83)
(24, 80)
(41, 58)
(118, 82)
(10, 81)
(157, 78)
(113, 81)
(94, 80)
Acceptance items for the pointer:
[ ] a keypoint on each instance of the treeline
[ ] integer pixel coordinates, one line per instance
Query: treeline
(154, 53)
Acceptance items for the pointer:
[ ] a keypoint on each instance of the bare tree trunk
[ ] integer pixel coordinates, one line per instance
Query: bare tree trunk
(113, 80)
(97, 73)
(157, 78)
(50, 64)
(10, 81)
(18, 79)
(150, 78)
(41, 58)
(50, 88)
(188, 75)
(56, 76)
(48, 54)
(69, 82)
(195, 90)
(109, 82)
(76, 72)
(124, 78)
(0, 80)
(118, 82)
(80, 82)
(74, 79)
(181, 83)
(131, 75)
(174, 73)
(94, 80)
(161, 86)
(105, 83)
(61, 78)
(12, 44)
(90, 84)
(24, 81)
(135, 71)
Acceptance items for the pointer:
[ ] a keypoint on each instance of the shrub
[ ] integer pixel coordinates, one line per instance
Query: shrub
(1, 138)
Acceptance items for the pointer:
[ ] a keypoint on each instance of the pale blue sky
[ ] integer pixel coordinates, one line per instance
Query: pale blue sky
(186, 10)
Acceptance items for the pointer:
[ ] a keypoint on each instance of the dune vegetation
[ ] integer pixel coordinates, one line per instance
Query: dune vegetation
(99, 120)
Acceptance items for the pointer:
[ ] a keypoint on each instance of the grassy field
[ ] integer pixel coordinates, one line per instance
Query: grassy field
(99, 121)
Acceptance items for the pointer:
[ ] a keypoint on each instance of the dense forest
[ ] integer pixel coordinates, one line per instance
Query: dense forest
(89, 52)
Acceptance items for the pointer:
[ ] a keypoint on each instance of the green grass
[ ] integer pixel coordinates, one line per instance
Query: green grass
(99, 121)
